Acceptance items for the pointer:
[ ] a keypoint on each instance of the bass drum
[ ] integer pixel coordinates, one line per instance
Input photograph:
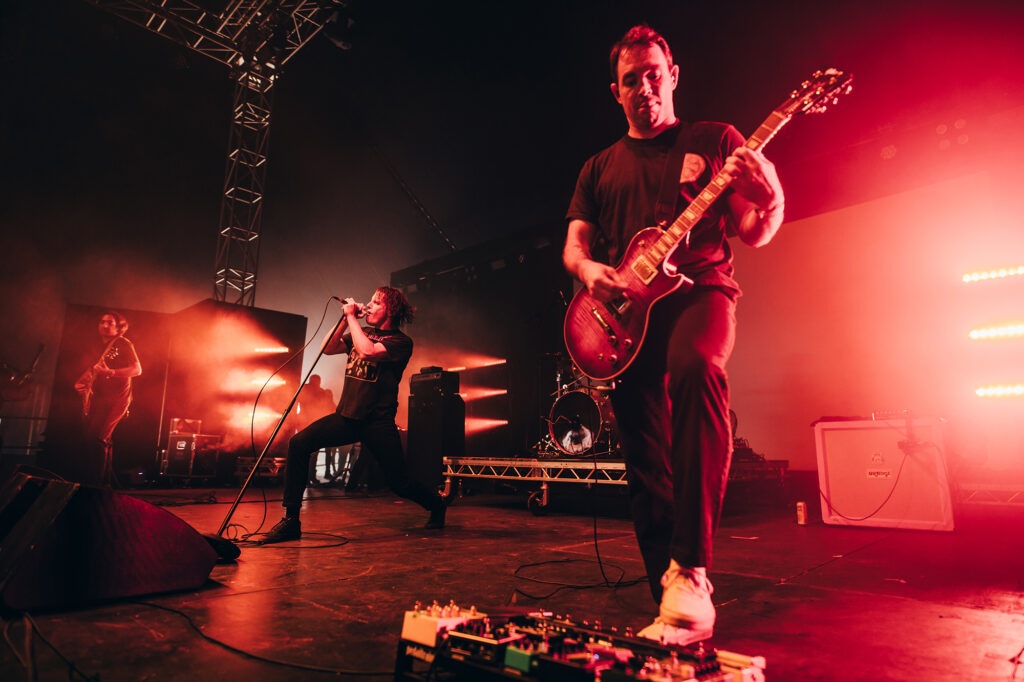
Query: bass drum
(582, 423)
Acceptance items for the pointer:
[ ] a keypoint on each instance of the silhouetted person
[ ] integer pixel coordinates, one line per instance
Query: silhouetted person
(106, 392)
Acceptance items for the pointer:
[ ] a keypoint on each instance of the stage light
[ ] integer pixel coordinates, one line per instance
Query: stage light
(271, 382)
(470, 362)
(242, 416)
(1000, 273)
(1001, 391)
(1008, 331)
(479, 425)
(471, 393)
(248, 381)
(267, 350)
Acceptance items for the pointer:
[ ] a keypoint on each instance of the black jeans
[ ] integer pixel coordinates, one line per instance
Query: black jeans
(96, 465)
(672, 412)
(380, 438)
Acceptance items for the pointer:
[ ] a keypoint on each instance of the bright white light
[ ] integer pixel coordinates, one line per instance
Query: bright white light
(271, 349)
(275, 381)
(1001, 273)
(1006, 391)
(1008, 331)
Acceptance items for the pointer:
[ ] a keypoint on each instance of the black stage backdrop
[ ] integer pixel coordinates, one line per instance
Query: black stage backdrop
(504, 299)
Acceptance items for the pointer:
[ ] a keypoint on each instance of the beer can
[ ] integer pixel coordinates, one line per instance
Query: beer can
(801, 513)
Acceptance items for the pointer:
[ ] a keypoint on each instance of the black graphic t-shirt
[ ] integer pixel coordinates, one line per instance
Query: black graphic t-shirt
(371, 386)
(617, 190)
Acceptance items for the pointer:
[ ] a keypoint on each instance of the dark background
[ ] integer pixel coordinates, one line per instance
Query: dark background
(114, 139)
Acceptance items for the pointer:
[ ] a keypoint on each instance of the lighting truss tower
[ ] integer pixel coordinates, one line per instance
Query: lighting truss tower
(254, 38)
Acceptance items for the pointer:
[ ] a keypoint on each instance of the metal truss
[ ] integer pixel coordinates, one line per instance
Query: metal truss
(229, 32)
(992, 495)
(581, 470)
(254, 38)
(543, 471)
(242, 201)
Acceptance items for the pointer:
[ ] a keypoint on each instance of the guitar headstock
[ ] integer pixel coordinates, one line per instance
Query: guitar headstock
(816, 94)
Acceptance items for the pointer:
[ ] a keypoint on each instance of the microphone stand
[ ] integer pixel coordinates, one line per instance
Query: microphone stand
(225, 548)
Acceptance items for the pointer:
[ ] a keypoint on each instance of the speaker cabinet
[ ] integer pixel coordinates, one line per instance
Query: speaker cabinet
(887, 473)
(66, 545)
(191, 456)
(437, 424)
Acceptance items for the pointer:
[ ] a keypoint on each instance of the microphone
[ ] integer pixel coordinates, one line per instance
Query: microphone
(360, 312)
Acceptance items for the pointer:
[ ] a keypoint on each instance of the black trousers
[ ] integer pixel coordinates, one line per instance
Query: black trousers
(380, 438)
(672, 413)
(96, 465)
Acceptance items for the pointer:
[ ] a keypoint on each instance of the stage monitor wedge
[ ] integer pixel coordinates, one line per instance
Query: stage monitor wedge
(66, 545)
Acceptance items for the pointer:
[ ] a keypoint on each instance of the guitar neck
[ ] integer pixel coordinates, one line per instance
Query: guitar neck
(693, 213)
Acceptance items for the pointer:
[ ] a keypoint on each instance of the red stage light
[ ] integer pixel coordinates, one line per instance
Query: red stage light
(471, 393)
(479, 425)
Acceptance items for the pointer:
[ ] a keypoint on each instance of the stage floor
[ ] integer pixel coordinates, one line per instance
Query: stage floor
(818, 602)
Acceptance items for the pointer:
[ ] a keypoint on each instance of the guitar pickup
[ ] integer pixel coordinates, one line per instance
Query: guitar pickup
(644, 269)
(619, 305)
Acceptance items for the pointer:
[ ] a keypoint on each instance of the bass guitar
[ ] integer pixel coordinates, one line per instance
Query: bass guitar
(603, 338)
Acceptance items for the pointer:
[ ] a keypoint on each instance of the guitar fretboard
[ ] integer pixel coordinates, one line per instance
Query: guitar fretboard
(693, 213)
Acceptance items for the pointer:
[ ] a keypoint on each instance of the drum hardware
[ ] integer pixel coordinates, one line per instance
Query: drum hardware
(580, 422)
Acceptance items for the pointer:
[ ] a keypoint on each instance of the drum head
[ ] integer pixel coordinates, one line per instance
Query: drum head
(575, 423)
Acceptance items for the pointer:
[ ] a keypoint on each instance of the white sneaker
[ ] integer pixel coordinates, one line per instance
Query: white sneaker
(667, 634)
(686, 599)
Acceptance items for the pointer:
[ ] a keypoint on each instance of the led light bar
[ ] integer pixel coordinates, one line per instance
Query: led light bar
(1004, 391)
(1007, 331)
(1001, 273)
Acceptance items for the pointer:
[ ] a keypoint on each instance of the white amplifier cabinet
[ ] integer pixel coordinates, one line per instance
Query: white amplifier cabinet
(888, 473)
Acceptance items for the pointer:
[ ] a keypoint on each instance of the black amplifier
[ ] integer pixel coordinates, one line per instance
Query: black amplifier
(433, 380)
(190, 455)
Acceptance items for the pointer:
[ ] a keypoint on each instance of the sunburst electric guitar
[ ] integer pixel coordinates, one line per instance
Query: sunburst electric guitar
(603, 338)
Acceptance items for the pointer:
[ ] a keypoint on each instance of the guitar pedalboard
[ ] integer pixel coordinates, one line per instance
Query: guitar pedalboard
(454, 643)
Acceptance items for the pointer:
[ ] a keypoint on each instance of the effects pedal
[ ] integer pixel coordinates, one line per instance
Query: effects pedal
(539, 646)
(428, 625)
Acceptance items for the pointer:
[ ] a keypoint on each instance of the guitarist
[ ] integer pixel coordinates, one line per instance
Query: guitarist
(106, 391)
(672, 403)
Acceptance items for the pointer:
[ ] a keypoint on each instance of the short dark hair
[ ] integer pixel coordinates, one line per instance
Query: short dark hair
(640, 35)
(121, 320)
(398, 308)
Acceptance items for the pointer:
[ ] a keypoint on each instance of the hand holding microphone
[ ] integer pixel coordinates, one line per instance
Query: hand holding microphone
(349, 306)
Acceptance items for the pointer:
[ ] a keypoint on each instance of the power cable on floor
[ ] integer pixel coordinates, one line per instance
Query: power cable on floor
(265, 659)
(27, 660)
(605, 581)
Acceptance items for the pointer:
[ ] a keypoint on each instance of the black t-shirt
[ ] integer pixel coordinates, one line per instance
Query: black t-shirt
(371, 386)
(118, 355)
(618, 189)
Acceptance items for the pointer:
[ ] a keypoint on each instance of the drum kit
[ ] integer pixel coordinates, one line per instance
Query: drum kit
(581, 422)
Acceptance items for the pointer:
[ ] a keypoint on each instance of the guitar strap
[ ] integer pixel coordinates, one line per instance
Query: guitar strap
(668, 195)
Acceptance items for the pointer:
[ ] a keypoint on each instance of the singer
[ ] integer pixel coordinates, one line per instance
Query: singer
(377, 357)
